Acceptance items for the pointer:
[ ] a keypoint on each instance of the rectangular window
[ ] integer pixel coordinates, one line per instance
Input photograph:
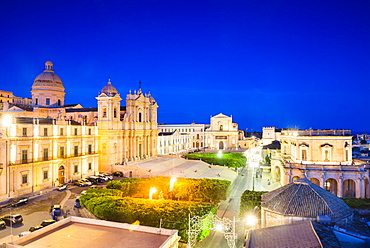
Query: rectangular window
(76, 168)
(45, 132)
(46, 154)
(90, 166)
(24, 132)
(89, 132)
(89, 149)
(61, 132)
(75, 131)
(24, 178)
(75, 151)
(47, 101)
(46, 174)
(24, 156)
(61, 151)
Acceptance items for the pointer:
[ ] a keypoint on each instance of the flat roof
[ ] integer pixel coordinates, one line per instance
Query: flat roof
(81, 232)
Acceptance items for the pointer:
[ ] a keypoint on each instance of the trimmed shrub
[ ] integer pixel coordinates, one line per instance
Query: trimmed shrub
(359, 203)
(249, 200)
(174, 214)
(231, 160)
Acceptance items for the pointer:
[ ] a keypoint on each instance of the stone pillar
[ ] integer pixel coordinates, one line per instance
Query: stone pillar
(360, 192)
(322, 181)
(340, 186)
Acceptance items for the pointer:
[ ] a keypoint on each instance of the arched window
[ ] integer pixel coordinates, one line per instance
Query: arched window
(36, 101)
(104, 112)
(221, 128)
(139, 117)
(59, 102)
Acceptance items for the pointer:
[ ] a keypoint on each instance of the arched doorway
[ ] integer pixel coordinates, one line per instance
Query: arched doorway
(349, 188)
(61, 174)
(315, 181)
(331, 186)
(221, 145)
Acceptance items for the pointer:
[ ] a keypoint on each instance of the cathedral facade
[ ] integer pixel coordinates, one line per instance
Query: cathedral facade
(44, 142)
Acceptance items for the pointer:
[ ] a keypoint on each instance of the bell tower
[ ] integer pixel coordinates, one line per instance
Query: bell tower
(109, 102)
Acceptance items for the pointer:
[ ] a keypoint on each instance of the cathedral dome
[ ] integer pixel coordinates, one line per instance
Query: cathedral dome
(48, 80)
(109, 89)
(305, 199)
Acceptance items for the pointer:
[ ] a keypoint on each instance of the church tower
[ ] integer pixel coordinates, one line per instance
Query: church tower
(109, 102)
(109, 127)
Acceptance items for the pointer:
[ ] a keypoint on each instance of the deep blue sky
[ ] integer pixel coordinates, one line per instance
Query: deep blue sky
(265, 62)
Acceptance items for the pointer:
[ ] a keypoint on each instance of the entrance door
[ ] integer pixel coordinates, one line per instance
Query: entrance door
(221, 145)
(61, 174)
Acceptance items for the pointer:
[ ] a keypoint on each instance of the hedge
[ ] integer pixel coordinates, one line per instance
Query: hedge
(249, 200)
(108, 204)
(359, 203)
(232, 160)
(205, 190)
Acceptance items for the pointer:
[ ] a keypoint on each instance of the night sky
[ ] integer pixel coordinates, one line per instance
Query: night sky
(303, 64)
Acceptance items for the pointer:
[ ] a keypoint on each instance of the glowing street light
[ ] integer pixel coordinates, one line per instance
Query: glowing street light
(7, 120)
(251, 220)
(151, 192)
(219, 154)
(172, 182)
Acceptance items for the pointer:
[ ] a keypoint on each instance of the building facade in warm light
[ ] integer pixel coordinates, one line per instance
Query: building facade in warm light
(44, 142)
(222, 134)
(179, 138)
(325, 158)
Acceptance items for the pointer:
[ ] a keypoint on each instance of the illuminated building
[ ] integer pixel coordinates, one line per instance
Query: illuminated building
(45, 142)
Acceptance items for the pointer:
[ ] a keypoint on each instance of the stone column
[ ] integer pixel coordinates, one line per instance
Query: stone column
(340, 186)
(322, 181)
(360, 192)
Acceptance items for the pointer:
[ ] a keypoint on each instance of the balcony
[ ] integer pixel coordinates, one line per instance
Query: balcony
(50, 158)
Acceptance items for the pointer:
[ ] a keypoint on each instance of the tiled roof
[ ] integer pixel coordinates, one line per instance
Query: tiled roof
(297, 234)
(305, 199)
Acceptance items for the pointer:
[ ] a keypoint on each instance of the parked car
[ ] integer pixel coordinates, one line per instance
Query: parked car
(118, 174)
(35, 228)
(47, 222)
(110, 177)
(77, 204)
(105, 178)
(2, 224)
(19, 202)
(83, 192)
(63, 187)
(93, 187)
(13, 219)
(87, 182)
(24, 233)
(57, 209)
(79, 183)
(95, 179)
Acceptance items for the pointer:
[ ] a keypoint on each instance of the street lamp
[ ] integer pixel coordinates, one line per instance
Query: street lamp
(151, 192)
(219, 154)
(172, 182)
